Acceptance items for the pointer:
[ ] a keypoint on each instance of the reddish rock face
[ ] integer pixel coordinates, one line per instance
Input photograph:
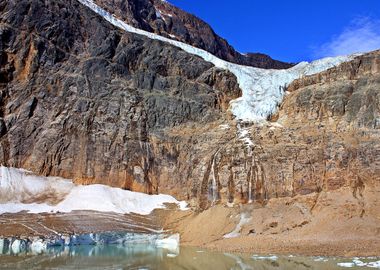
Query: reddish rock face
(169, 21)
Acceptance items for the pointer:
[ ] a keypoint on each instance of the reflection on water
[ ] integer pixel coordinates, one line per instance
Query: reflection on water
(151, 257)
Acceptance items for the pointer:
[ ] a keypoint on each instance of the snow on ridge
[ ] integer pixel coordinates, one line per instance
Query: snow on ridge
(18, 186)
(262, 89)
(158, 14)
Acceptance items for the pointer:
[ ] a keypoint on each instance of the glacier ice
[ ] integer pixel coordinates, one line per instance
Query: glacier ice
(122, 239)
(18, 186)
(38, 246)
(262, 89)
(17, 246)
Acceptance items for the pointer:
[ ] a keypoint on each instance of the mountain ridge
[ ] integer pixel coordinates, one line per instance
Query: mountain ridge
(162, 18)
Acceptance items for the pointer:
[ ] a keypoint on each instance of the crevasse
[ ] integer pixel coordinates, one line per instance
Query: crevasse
(262, 89)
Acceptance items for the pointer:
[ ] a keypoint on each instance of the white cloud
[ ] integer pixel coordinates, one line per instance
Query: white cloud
(362, 35)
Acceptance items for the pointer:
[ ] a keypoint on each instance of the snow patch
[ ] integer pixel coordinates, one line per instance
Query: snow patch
(18, 186)
(244, 136)
(158, 14)
(224, 126)
(244, 219)
(262, 89)
(346, 264)
(272, 257)
(356, 262)
(321, 259)
(230, 204)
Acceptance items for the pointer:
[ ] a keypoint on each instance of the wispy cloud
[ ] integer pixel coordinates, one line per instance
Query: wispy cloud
(362, 35)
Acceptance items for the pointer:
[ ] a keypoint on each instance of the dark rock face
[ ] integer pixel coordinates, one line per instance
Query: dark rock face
(166, 20)
(80, 99)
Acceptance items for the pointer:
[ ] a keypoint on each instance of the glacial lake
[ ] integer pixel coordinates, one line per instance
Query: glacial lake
(150, 257)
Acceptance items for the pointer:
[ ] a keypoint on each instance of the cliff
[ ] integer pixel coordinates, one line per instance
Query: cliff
(84, 100)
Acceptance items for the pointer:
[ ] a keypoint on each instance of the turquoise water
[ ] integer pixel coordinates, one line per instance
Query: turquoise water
(150, 257)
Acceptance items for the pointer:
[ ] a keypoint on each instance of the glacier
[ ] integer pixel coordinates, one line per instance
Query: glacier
(20, 190)
(262, 89)
(39, 245)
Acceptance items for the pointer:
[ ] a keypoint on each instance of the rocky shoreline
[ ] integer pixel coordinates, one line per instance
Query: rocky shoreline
(319, 224)
(307, 225)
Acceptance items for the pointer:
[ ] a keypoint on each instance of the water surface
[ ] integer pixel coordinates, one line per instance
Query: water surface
(150, 257)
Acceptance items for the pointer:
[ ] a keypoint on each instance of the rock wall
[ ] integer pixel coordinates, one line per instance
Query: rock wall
(324, 137)
(81, 99)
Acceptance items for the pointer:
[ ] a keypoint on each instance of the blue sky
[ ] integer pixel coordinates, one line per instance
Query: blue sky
(292, 30)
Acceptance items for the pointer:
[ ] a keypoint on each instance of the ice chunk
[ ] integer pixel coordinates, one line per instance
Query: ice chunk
(346, 264)
(170, 241)
(18, 246)
(38, 246)
(1, 245)
(272, 257)
(374, 264)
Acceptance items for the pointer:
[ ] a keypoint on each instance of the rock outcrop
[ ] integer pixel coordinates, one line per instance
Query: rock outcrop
(80, 98)
(83, 100)
(162, 18)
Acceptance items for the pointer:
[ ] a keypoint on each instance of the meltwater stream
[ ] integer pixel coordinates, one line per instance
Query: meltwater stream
(151, 257)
